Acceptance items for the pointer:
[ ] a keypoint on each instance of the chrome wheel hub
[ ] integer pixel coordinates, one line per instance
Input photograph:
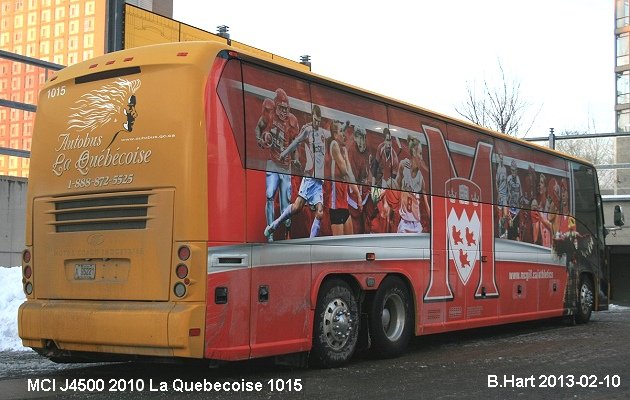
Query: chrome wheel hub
(337, 324)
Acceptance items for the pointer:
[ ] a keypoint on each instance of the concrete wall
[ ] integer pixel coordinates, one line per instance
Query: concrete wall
(622, 236)
(622, 156)
(12, 219)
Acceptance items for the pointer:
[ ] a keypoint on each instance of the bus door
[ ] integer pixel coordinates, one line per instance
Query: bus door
(228, 306)
(280, 299)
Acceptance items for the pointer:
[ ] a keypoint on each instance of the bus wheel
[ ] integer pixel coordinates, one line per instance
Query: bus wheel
(584, 301)
(336, 327)
(391, 322)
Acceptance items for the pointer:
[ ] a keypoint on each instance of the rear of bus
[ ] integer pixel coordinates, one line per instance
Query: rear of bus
(117, 225)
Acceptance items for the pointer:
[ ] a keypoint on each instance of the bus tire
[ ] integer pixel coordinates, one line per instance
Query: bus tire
(336, 327)
(391, 321)
(585, 300)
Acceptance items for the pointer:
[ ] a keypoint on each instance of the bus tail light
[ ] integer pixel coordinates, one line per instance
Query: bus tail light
(194, 332)
(179, 289)
(181, 271)
(26, 256)
(27, 272)
(183, 253)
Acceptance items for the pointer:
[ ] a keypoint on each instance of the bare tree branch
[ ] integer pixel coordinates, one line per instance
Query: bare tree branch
(499, 108)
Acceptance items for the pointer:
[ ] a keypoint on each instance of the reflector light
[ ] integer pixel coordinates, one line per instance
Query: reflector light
(28, 272)
(28, 288)
(53, 78)
(26, 256)
(181, 271)
(179, 289)
(128, 59)
(187, 281)
(182, 54)
(194, 332)
(110, 62)
(183, 253)
(370, 256)
(93, 65)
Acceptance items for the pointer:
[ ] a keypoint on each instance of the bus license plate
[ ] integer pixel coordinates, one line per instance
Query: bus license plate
(84, 271)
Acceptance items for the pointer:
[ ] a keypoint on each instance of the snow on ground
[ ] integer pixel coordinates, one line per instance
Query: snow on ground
(11, 296)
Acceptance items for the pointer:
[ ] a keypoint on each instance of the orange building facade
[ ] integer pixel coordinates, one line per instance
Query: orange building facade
(60, 31)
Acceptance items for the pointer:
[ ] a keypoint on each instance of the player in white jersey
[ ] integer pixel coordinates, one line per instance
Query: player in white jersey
(411, 184)
(311, 190)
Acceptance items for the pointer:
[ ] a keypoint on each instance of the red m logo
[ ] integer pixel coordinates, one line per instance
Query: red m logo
(462, 221)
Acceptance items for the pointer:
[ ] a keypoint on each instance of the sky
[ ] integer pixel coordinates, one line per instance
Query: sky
(428, 52)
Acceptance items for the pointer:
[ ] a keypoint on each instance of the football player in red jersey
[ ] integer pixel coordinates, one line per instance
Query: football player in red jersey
(275, 130)
(358, 159)
(386, 163)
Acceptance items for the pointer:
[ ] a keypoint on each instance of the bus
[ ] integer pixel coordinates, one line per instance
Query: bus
(198, 201)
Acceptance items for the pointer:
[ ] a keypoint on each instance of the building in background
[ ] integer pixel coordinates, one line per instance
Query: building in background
(622, 88)
(64, 32)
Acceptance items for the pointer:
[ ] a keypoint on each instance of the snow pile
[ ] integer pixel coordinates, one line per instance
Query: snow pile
(11, 296)
(614, 307)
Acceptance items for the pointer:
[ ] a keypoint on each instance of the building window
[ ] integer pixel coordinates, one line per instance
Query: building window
(30, 50)
(89, 8)
(73, 43)
(74, 27)
(59, 29)
(44, 47)
(623, 46)
(45, 16)
(88, 40)
(58, 45)
(623, 121)
(88, 24)
(32, 18)
(60, 13)
(623, 87)
(18, 21)
(622, 13)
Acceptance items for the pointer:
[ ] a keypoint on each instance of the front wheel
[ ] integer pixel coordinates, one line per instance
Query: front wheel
(585, 300)
(391, 321)
(336, 327)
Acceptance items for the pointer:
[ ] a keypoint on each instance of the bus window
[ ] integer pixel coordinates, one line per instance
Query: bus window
(230, 91)
(348, 114)
(584, 192)
(276, 106)
(413, 174)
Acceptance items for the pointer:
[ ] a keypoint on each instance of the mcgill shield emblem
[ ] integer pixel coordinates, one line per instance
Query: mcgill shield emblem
(464, 215)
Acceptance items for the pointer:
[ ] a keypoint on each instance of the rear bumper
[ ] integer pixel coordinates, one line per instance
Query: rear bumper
(116, 327)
